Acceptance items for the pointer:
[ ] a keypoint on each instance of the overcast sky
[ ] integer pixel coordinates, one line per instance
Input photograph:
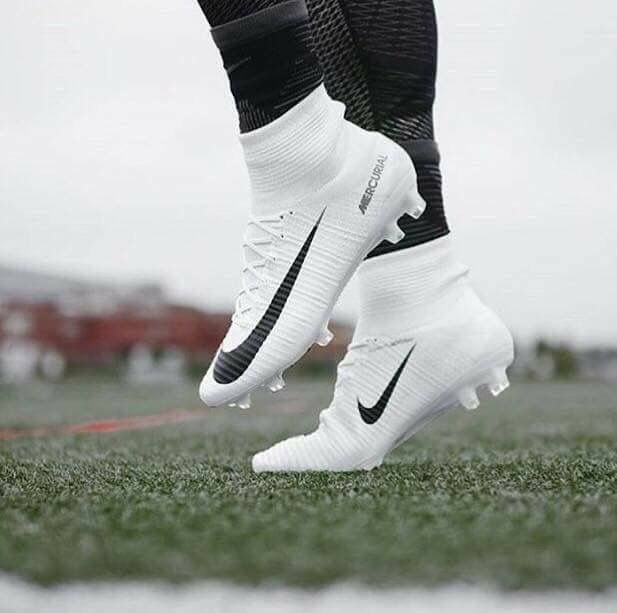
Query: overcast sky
(119, 155)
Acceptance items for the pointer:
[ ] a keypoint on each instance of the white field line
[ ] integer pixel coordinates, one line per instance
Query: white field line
(17, 596)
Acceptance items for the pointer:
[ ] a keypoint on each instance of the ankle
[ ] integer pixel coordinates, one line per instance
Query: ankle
(298, 152)
(269, 60)
(407, 289)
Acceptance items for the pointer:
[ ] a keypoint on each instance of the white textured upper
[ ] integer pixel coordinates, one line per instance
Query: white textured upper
(299, 152)
(421, 308)
(408, 289)
(307, 165)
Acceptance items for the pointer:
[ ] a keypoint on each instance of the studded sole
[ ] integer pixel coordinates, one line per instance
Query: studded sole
(494, 379)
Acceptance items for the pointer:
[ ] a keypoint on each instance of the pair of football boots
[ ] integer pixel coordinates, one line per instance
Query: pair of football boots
(324, 194)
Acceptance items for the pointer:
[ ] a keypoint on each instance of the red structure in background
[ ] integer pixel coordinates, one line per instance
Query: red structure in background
(92, 338)
(83, 338)
(70, 321)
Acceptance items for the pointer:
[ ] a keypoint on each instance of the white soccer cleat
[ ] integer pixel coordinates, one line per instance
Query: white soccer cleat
(326, 192)
(387, 390)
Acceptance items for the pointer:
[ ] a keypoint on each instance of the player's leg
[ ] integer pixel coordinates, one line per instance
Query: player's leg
(396, 41)
(266, 49)
(344, 72)
(424, 341)
(310, 169)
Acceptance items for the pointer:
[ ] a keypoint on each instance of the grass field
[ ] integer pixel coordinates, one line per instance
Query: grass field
(520, 494)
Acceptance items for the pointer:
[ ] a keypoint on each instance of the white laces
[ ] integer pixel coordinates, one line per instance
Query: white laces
(258, 240)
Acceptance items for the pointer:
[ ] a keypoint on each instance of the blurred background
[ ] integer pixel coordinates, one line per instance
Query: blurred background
(123, 195)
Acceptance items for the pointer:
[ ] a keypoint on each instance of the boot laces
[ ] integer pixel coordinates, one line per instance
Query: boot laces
(257, 245)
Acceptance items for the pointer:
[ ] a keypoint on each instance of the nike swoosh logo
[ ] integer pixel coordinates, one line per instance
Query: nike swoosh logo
(231, 365)
(370, 415)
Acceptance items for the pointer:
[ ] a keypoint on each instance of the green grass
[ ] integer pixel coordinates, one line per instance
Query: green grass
(521, 494)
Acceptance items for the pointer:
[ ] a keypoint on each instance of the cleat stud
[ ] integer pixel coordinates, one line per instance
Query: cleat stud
(417, 212)
(469, 398)
(414, 205)
(417, 206)
(276, 384)
(394, 234)
(325, 337)
(498, 382)
(496, 390)
(245, 402)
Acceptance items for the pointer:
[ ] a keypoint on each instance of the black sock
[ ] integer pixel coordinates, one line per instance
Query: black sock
(266, 48)
(395, 42)
(344, 72)
(218, 12)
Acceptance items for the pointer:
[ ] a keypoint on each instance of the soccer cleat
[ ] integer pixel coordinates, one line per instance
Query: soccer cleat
(325, 192)
(388, 389)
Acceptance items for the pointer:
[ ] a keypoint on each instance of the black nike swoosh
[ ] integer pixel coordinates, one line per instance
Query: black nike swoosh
(370, 415)
(230, 365)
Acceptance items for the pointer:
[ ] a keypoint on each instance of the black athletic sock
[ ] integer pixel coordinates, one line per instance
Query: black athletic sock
(267, 51)
(344, 72)
(395, 42)
(218, 12)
